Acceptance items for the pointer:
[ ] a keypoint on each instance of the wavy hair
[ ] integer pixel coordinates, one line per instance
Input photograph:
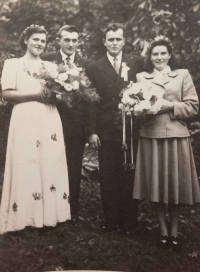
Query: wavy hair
(28, 32)
(68, 28)
(159, 41)
(114, 27)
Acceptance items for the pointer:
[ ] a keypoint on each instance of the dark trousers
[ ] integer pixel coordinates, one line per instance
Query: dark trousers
(74, 152)
(116, 187)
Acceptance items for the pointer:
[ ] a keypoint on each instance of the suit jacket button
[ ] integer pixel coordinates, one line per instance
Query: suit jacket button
(113, 98)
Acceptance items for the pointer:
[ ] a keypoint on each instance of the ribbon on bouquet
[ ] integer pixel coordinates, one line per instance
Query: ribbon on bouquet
(127, 166)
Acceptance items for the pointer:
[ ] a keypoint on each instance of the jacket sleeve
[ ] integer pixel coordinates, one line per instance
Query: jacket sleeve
(188, 107)
(93, 107)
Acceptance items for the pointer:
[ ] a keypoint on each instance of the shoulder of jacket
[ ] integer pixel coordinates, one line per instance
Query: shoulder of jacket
(136, 58)
(50, 55)
(142, 74)
(95, 63)
(181, 71)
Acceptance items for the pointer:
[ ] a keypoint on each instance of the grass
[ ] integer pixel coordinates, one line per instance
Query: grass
(83, 246)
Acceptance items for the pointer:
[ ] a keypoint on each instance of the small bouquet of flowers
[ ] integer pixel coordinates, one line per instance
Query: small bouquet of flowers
(140, 99)
(137, 99)
(70, 82)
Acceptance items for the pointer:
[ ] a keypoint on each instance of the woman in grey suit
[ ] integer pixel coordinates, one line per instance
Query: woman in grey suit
(165, 170)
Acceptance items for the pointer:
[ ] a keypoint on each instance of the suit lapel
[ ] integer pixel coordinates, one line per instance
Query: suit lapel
(58, 57)
(77, 60)
(108, 69)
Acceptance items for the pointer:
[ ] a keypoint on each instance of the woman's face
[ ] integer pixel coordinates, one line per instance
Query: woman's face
(160, 57)
(36, 43)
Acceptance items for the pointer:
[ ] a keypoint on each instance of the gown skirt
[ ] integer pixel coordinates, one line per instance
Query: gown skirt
(35, 189)
(165, 171)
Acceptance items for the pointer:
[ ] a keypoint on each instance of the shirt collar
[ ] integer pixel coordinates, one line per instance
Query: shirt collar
(119, 58)
(166, 70)
(64, 56)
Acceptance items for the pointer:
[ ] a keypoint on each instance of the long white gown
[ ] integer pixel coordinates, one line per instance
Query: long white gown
(35, 188)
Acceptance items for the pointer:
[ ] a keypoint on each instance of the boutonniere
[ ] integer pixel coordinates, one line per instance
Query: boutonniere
(125, 70)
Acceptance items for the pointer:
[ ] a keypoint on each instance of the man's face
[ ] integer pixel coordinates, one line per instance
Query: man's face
(114, 42)
(68, 42)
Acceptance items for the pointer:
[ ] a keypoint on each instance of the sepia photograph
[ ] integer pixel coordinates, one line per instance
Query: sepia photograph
(99, 135)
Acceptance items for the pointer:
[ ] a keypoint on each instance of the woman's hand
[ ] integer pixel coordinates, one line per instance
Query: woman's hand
(166, 106)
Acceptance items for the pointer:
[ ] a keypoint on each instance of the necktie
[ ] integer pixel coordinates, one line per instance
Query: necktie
(116, 65)
(67, 61)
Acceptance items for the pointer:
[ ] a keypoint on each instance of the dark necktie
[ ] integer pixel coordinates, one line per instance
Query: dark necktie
(67, 61)
(116, 65)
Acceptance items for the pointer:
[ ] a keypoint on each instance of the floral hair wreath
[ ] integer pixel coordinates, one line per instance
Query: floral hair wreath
(160, 38)
(34, 27)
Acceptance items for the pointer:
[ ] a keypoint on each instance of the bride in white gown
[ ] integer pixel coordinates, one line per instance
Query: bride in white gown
(35, 188)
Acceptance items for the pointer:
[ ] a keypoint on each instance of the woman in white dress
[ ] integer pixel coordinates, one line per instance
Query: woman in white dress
(35, 188)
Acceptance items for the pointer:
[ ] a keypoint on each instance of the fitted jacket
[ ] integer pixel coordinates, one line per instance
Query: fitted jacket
(178, 88)
(105, 118)
(73, 119)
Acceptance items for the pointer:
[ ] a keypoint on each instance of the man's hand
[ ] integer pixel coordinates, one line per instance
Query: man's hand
(195, 128)
(94, 141)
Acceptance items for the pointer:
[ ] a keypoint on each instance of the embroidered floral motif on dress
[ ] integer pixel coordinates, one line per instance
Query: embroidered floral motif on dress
(53, 137)
(65, 196)
(15, 207)
(37, 196)
(53, 188)
(37, 143)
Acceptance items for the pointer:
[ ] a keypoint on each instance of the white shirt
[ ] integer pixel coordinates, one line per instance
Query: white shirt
(64, 56)
(111, 59)
(166, 70)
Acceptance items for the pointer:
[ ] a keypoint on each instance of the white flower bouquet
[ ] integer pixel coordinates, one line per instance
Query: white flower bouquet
(137, 99)
(71, 82)
(140, 99)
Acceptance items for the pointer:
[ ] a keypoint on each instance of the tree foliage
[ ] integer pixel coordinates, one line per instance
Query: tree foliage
(179, 20)
(88, 15)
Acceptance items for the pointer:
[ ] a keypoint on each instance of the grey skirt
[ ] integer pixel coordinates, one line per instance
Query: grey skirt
(166, 172)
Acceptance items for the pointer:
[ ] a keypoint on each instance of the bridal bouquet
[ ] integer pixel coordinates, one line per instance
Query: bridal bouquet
(140, 99)
(137, 99)
(71, 82)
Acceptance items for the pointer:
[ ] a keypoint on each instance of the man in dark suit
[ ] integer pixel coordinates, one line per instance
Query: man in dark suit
(73, 119)
(110, 75)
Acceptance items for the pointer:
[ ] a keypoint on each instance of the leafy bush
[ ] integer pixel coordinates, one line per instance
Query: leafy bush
(179, 20)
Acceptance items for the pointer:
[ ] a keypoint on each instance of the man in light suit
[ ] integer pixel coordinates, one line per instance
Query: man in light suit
(109, 76)
(73, 119)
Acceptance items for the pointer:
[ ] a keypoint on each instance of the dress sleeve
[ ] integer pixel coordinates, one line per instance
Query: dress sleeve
(9, 75)
(188, 108)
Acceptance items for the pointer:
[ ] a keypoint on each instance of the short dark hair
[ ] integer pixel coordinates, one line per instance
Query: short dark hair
(159, 41)
(69, 28)
(28, 32)
(114, 27)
